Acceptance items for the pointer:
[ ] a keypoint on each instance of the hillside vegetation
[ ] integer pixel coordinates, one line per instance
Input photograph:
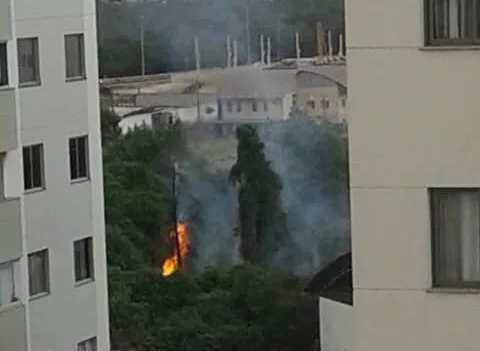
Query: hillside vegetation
(171, 25)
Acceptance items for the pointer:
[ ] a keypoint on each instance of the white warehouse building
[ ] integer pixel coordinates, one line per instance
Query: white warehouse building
(53, 283)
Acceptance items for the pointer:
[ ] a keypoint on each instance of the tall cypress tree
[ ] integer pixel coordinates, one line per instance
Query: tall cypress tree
(262, 221)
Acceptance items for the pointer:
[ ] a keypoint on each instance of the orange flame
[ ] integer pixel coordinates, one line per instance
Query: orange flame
(171, 264)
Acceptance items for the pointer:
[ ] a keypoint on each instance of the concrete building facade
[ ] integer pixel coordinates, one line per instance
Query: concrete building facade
(53, 283)
(322, 92)
(415, 173)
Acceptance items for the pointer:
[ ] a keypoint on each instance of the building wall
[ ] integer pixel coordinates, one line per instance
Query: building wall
(53, 218)
(317, 94)
(336, 322)
(316, 87)
(413, 125)
(275, 110)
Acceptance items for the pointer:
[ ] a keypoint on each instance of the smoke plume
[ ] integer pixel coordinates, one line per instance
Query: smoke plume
(314, 202)
(207, 202)
(305, 156)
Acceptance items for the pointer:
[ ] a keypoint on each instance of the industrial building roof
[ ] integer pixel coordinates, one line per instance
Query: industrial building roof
(337, 73)
(254, 82)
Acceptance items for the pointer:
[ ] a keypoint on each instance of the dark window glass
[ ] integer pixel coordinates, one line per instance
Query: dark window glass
(83, 259)
(78, 149)
(3, 64)
(33, 176)
(455, 237)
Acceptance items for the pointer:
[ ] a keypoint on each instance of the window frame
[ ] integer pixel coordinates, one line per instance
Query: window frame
(91, 342)
(14, 296)
(42, 168)
(229, 105)
(80, 42)
(46, 273)
(87, 243)
(430, 41)
(435, 282)
(34, 41)
(4, 81)
(78, 176)
(254, 105)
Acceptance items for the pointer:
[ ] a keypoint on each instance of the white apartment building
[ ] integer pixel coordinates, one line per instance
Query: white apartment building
(415, 173)
(53, 284)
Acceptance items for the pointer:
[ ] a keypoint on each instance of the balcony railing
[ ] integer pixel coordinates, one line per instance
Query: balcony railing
(13, 332)
(10, 229)
(5, 21)
(8, 120)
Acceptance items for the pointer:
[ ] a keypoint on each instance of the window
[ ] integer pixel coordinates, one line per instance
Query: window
(78, 157)
(38, 272)
(254, 106)
(28, 62)
(3, 64)
(239, 106)
(311, 103)
(265, 106)
(343, 102)
(7, 283)
(33, 177)
(455, 237)
(452, 22)
(87, 345)
(325, 104)
(229, 106)
(83, 259)
(74, 56)
(2, 184)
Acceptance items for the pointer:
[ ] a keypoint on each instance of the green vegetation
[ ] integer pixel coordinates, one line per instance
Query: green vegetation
(170, 28)
(248, 307)
(261, 218)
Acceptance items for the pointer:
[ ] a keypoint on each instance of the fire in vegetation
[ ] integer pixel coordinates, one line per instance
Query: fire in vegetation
(180, 250)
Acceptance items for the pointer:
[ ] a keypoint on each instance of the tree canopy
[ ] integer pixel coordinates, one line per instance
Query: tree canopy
(243, 307)
(261, 218)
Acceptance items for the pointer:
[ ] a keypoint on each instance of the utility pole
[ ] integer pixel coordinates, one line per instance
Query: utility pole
(174, 213)
(269, 52)
(197, 74)
(297, 47)
(235, 53)
(247, 28)
(278, 40)
(142, 45)
(229, 51)
(262, 50)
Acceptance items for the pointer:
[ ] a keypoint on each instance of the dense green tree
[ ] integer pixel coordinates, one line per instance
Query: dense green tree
(261, 218)
(246, 307)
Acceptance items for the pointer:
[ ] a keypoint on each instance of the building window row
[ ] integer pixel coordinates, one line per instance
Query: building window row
(28, 53)
(39, 267)
(452, 22)
(252, 102)
(34, 163)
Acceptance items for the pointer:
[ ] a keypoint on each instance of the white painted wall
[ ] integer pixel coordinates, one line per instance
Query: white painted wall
(185, 114)
(413, 124)
(130, 123)
(276, 110)
(336, 322)
(50, 114)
